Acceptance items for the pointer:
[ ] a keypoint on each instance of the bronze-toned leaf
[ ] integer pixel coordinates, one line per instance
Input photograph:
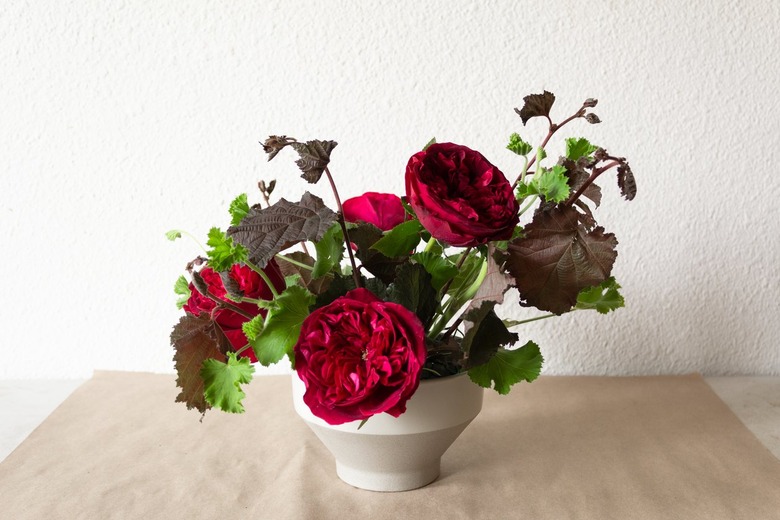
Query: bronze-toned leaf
(267, 231)
(626, 181)
(314, 157)
(536, 105)
(592, 118)
(365, 235)
(577, 174)
(196, 339)
(558, 257)
(275, 143)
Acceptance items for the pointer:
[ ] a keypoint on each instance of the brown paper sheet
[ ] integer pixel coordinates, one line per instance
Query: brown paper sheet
(560, 448)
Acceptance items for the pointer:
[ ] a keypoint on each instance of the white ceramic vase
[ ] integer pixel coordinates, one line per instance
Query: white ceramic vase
(403, 453)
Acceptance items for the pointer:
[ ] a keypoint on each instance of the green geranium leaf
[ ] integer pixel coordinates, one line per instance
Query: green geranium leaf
(182, 288)
(400, 240)
(604, 297)
(508, 367)
(173, 234)
(222, 382)
(238, 209)
(330, 251)
(440, 269)
(429, 143)
(551, 184)
(518, 146)
(253, 327)
(577, 147)
(282, 325)
(224, 253)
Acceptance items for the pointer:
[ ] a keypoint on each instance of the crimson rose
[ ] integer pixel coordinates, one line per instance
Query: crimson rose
(384, 210)
(459, 197)
(250, 283)
(359, 356)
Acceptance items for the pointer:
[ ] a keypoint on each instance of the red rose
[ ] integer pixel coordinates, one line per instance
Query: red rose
(359, 356)
(384, 210)
(250, 283)
(459, 197)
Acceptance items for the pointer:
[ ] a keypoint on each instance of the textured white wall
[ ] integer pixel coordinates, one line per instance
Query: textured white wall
(121, 120)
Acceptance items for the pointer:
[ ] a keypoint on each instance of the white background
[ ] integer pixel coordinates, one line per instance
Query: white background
(121, 120)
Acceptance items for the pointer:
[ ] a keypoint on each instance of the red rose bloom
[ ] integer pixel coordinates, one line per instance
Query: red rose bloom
(384, 210)
(459, 197)
(229, 321)
(359, 356)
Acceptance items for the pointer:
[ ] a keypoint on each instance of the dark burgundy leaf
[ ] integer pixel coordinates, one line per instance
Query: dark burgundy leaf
(267, 231)
(577, 174)
(626, 181)
(590, 103)
(485, 334)
(314, 157)
(196, 339)
(557, 258)
(275, 143)
(536, 105)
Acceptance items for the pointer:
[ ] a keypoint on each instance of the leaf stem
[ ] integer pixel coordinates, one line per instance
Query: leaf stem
(347, 241)
(550, 131)
(545, 316)
(228, 305)
(531, 202)
(430, 244)
(294, 262)
(265, 278)
(593, 177)
(461, 260)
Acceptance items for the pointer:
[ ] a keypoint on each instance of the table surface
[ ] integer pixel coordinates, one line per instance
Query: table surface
(563, 447)
(24, 404)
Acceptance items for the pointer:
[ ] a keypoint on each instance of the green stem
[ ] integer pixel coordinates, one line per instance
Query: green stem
(535, 319)
(264, 277)
(531, 202)
(430, 244)
(461, 260)
(295, 262)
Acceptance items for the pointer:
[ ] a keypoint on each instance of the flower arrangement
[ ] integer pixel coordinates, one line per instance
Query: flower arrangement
(398, 289)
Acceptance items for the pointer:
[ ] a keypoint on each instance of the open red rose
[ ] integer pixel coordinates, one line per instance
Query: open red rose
(359, 356)
(459, 197)
(384, 210)
(251, 284)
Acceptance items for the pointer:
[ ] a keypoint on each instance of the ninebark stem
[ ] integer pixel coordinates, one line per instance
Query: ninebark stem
(347, 241)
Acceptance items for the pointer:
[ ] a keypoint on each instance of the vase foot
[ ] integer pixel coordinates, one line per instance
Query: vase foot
(400, 480)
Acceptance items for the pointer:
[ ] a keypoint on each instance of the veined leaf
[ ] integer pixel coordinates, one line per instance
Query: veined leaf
(267, 231)
(282, 325)
(195, 339)
(412, 288)
(485, 334)
(238, 209)
(182, 288)
(305, 275)
(222, 382)
(173, 234)
(330, 251)
(364, 236)
(577, 147)
(626, 181)
(603, 297)
(508, 367)
(224, 253)
(440, 269)
(314, 157)
(518, 146)
(536, 105)
(253, 327)
(400, 240)
(557, 258)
